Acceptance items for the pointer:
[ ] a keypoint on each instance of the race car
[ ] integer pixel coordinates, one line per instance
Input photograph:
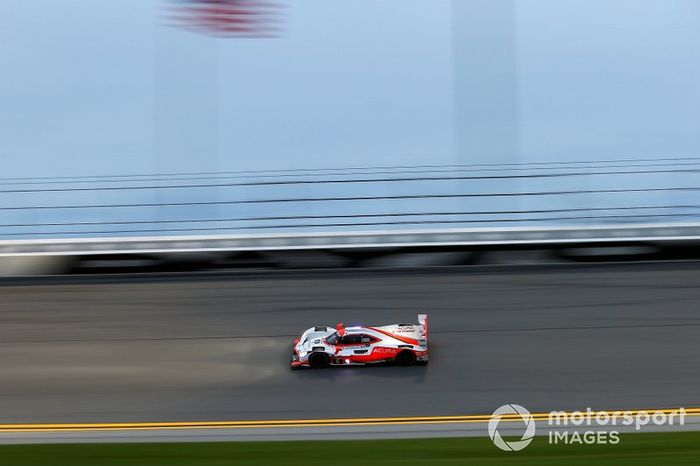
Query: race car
(403, 344)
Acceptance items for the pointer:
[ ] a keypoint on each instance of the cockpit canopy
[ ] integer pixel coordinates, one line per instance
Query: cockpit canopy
(333, 338)
(350, 339)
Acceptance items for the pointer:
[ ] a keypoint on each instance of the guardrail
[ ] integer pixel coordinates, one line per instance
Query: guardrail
(368, 239)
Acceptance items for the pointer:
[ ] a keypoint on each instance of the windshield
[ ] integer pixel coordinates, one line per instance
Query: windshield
(333, 339)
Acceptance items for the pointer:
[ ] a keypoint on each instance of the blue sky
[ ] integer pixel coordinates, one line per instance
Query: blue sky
(102, 87)
(109, 87)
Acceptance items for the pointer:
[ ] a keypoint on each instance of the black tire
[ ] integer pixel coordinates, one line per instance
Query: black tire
(318, 360)
(406, 358)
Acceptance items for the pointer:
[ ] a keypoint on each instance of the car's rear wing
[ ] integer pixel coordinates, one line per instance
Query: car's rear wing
(423, 320)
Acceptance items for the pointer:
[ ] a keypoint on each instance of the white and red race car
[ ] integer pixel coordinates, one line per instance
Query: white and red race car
(403, 344)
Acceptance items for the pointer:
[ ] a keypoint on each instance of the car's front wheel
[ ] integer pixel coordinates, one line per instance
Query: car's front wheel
(319, 360)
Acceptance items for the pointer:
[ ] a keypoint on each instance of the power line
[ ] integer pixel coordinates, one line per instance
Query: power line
(354, 198)
(310, 171)
(224, 176)
(417, 222)
(349, 216)
(347, 181)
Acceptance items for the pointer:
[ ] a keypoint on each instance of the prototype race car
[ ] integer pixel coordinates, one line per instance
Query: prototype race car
(403, 344)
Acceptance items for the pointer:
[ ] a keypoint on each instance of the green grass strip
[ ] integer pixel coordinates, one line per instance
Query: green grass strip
(674, 448)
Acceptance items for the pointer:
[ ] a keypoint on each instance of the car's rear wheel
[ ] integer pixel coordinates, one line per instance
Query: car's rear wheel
(406, 358)
(319, 360)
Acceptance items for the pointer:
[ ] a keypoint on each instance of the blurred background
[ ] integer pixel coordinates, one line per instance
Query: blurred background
(191, 138)
(145, 117)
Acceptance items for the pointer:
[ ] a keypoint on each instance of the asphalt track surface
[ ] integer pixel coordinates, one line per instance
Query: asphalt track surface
(208, 348)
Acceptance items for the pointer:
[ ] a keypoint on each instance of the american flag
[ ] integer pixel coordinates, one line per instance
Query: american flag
(233, 18)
